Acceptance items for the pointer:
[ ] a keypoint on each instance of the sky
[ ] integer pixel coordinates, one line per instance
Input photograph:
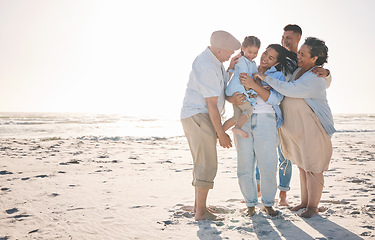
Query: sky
(134, 57)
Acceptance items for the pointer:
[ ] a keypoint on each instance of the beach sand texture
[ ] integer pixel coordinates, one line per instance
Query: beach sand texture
(141, 189)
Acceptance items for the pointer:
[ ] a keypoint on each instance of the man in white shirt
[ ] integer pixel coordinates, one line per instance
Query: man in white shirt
(201, 114)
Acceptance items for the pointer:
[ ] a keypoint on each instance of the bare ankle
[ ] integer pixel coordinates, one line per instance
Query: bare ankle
(250, 211)
(283, 201)
(282, 194)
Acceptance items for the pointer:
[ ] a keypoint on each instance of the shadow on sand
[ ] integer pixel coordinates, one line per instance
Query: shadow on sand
(330, 230)
(277, 228)
(207, 231)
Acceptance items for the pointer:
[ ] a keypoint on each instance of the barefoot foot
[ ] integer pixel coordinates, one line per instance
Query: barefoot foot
(207, 216)
(298, 207)
(271, 211)
(241, 132)
(322, 209)
(250, 211)
(310, 212)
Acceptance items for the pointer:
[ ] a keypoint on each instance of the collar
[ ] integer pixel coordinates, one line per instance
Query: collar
(212, 57)
(271, 70)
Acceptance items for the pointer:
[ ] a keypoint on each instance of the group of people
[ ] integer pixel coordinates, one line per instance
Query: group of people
(281, 114)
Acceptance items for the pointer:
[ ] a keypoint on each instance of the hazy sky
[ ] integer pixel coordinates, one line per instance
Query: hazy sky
(134, 57)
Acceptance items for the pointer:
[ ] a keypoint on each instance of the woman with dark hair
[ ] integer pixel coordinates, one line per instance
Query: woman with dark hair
(308, 122)
(260, 148)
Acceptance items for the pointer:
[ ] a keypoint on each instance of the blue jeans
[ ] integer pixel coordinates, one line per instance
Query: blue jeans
(285, 172)
(259, 149)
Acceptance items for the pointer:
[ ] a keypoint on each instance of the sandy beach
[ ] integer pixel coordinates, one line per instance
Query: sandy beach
(141, 189)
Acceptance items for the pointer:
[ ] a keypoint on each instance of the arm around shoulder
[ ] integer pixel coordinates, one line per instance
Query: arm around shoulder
(300, 88)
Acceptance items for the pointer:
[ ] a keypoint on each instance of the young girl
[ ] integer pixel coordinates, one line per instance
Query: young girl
(241, 113)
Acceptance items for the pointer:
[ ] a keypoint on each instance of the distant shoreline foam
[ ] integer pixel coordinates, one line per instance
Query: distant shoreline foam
(119, 127)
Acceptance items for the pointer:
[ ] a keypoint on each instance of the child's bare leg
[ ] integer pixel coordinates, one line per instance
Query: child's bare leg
(237, 128)
(228, 124)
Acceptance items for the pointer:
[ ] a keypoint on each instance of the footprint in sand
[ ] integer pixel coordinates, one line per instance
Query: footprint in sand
(4, 172)
(11, 211)
(20, 217)
(41, 176)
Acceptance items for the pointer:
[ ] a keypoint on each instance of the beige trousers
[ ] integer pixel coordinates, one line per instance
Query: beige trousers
(202, 139)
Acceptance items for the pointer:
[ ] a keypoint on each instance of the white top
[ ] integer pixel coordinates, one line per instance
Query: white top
(262, 107)
(207, 79)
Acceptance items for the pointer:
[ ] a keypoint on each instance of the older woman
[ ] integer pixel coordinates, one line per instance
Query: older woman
(308, 122)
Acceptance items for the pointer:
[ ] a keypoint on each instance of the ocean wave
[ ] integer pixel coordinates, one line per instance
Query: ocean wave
(355, 130)
(110, 138)
(44, 122)
(64, 118)
(122, 138)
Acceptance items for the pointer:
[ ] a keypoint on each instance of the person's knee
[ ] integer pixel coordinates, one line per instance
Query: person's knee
(241, 173)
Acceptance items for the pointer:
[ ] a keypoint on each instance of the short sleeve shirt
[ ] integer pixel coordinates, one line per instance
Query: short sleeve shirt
(207, 79)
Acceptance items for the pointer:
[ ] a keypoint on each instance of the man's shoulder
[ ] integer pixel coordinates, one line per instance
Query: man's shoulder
(203, 63)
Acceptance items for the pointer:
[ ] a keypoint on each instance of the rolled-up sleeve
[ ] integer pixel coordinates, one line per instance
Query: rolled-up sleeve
(275, 97)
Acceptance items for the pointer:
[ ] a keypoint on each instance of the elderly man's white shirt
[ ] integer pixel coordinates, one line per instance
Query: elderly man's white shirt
(207, 79)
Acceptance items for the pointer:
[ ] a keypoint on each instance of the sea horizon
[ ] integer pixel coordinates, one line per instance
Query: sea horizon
(117, 126)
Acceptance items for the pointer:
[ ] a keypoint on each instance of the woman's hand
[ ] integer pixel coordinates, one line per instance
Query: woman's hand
(260, 76)
(321, 72)
(246, 80)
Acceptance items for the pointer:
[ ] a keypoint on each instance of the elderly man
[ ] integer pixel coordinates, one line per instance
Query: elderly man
(201, 113)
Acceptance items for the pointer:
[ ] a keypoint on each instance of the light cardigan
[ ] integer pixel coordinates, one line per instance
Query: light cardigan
(313, 89)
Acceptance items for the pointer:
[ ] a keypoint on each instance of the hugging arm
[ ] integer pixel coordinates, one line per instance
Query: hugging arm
(324, 73)
(301, 88)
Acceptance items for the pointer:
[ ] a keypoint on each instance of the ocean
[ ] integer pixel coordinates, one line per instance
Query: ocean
(86, 126)
(122, 127)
